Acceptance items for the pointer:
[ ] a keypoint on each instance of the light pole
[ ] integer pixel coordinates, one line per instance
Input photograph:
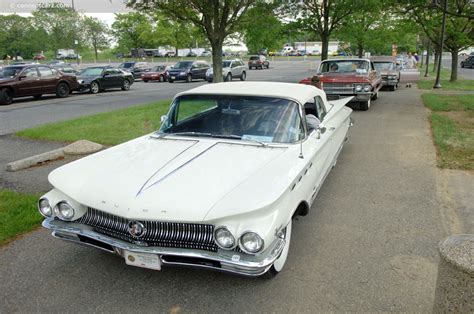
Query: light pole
(75, 40)
(443, 30)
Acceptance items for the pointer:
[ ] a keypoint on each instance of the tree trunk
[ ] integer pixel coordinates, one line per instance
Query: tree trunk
(360, 50)
(435, 64)
(325, 46)
(217, 59)
(454, 65)
(95, 51)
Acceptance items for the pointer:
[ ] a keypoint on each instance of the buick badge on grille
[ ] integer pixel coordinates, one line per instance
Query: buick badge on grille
(136, 229)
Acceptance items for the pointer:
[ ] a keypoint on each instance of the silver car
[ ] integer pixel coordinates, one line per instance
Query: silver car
(230, 69)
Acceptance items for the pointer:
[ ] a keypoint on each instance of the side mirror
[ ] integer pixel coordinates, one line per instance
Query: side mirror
(163, 119)
(105, 74)
(322, 129)
(21, 77)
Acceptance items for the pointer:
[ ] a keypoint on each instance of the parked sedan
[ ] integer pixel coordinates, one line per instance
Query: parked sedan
(188, 71)
(96, 79)
(230, 69)
(216, 187)
(468, 62)
(136, 68)
(341, 78)
(34, 80)
(158, 73)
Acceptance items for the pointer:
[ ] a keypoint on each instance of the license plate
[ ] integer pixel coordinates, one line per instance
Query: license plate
(173, 77)
(151, 261)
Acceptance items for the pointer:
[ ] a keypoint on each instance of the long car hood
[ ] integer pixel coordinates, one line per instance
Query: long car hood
(162, 179)
(4, 80)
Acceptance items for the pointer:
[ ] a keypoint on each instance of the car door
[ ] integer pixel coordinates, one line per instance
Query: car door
(29, 82)
(118, 77)
(48, 78)
(203, 69)
(109, 78)
(234, 69)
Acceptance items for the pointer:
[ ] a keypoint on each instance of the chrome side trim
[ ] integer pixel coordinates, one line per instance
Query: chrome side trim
(229, 261)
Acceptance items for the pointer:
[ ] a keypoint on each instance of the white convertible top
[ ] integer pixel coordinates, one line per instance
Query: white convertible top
(298, 92)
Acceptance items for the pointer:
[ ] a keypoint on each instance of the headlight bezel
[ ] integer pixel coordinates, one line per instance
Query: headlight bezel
(246, 250)
(59, 213)
(234, 242)
(367, 88)
(49, 205)
(358, 88)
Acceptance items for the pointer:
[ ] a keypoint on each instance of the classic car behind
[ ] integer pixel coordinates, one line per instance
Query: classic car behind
(96, 79)
(216, 187)
(389, 71)
(34, 80)
(348, 77)
(468, 62)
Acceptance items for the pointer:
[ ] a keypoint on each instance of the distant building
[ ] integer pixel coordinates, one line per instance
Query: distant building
(315, 47)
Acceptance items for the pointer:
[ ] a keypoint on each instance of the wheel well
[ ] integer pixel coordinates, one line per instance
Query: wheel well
(302, 209)
(10, 89)
(65, 82)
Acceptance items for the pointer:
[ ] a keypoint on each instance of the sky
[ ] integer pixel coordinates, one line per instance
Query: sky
(102, 9)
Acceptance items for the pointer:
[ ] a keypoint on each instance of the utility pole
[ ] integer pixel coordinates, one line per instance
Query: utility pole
(75, 33)
(440, 57)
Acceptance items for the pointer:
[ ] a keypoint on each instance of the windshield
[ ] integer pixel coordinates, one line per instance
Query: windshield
(345, 66)
(264, 119)
(159, 68)
(182, 65)
(91, 72)
(381, 66)
(9, 72)
(254, 58)
(226, 64)
(126, 65)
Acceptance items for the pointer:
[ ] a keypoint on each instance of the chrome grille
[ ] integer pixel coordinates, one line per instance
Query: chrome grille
(334, 88)
(157, 233)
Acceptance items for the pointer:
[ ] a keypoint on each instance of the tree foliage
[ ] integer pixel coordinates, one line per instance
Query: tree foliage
(95, 33)
(262, 28)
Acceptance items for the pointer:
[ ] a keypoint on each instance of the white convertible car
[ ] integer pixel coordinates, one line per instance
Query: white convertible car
(216, 187)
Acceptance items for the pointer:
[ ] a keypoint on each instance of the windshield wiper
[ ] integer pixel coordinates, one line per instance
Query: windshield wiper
(238, 137)
(162, 135)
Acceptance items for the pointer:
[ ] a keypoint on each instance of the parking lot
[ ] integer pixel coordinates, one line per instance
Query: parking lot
(368, 243)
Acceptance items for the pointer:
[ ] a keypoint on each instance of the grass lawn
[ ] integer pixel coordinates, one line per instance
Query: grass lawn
(452, 121)
(18, 214)
(109, 128)
(460, 84)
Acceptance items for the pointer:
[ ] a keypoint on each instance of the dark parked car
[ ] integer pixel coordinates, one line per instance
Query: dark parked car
(158, 73)
(34, 80)
(188, 71)
(136, 68)
(468, 62)
(96, 79)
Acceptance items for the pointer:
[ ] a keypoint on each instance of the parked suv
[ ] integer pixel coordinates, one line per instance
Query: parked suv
(188, 71)
(136, 68)
(258, 62)
(34, 80)
(230, 69)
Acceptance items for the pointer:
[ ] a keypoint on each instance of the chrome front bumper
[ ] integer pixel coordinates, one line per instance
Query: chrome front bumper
(357, 97)
(227, 261)
(389, 82)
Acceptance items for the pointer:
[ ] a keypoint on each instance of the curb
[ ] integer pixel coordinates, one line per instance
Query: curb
(81, 147)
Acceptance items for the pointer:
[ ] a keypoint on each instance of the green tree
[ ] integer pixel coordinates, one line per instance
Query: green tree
(132, 30)
(323, 17)
(261, 28)
(215, 19)
(95, 33)
(459, 25)
(17, 35)
(60, 23)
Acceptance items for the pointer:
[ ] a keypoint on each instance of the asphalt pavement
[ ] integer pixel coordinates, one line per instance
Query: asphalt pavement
(368, 243)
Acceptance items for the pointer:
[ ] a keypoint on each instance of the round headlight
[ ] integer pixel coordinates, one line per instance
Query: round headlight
(358, 88)
(80, 81)
(45, 208)
(251, 242)
(65, 211)
(366, 88)
(224, 238)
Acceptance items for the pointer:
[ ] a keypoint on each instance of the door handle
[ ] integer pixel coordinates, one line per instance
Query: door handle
(332, 128)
